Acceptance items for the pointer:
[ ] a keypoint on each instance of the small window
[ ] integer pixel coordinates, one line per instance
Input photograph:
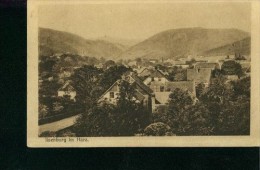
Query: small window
(111, 94)
(161, 88)
(159, 79)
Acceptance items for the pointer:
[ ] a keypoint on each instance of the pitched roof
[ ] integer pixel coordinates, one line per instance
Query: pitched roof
(139, 96)
(201, 75)
(248, 69)
(184, 85)
(157, 73)
(207, 65)
(111, 87)
(171, 86)
(245, 64)
(137, 81)
(140, 83)
(141, 70)
(67, 87)
(145, 72)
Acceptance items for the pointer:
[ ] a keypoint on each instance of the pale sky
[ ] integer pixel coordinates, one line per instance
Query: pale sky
(142, 20)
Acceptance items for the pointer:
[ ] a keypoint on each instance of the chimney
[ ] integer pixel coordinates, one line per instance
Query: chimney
(153, 103)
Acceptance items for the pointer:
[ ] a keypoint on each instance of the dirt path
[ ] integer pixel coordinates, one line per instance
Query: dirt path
(58, 125)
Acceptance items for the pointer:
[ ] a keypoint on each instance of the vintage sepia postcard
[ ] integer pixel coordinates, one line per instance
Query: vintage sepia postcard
(143, 73)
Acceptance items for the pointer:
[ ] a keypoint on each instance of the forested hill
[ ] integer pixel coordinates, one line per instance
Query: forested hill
(242, 47)
(173, 43)
(185, 41)
(52, 41)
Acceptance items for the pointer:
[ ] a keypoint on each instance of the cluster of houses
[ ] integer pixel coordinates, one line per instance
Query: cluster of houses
(152, 87)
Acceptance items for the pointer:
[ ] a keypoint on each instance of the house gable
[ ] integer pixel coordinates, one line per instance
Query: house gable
(111, 94)
(202, 75)
(67, 90)
(145, 72)
(156, 76)
(142, 92)
(67, 87)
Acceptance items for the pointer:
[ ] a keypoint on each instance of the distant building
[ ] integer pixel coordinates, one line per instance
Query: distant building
(169, 60)
(175, 62)
(183, 65)
(132, 63)
(144, 72)
(200, 75)
(100, 65)
(66, 72)
(67, 90)
(211, 66)
(155, 76)
(179, 62)
(163, 90)
(244, 64)
(200, 58)
(183, 59)
(247, 72)
(215, 59)
(233, 56)
(153, 61)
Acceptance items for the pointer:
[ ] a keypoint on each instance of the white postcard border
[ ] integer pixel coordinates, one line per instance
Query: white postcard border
(175, 141)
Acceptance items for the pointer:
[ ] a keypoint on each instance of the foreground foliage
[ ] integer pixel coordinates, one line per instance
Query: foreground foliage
(224, 109)
(104, 119)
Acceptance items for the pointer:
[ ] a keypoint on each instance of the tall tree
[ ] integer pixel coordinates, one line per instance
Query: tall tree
(178, 74)
(231, 68)
(111, 75)
(242, 87)
(84, 80)
(179, 100)
(131, 114)
(229, 106)
(200, 89)
(97, 121)
(218, 91)
(194, 120)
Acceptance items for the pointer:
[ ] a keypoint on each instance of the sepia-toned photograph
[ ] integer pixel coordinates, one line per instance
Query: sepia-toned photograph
(143, 73)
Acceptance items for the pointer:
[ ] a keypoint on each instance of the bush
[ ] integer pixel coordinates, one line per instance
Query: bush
(158, 129)
(48, 134)
(43, 111)
(67, 133)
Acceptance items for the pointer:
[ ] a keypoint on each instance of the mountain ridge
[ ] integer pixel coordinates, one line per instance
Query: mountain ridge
(242, 47)
(122, 41)
(53, 41)
(183, 41)
(172, 43)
